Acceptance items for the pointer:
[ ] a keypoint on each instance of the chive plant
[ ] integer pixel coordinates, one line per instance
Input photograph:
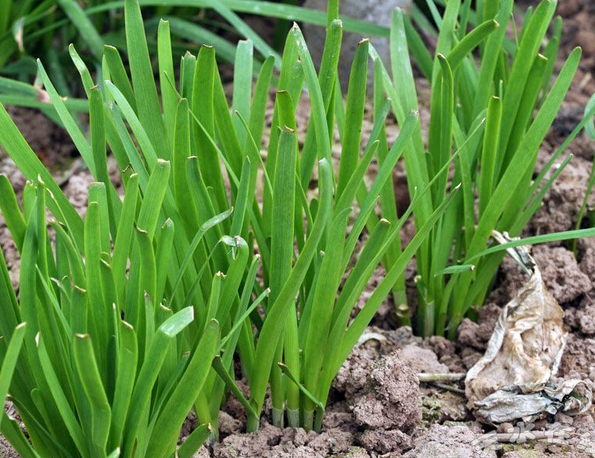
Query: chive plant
(315, 267)
(153, 278)
(505, 90)
(111, 363)
(190, 155)
(305, 247)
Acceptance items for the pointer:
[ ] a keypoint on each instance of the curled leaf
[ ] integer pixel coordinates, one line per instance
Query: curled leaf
(512, 380)
(571, 397)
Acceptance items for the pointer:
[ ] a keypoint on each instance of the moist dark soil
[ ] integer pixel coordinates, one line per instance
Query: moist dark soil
(378, 407)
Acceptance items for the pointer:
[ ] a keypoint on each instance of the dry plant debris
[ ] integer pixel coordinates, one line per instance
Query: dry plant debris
(513, 380)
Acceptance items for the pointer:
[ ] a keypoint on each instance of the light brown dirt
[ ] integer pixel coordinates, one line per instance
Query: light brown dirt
(452, 441)
(390, 397)
(288, 443)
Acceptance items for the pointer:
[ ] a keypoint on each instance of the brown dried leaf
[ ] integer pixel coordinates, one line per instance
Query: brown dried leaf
(511, 380)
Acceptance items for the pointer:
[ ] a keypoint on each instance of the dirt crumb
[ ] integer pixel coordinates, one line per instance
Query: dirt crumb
(577, 361)
(339, 416)
(234, 407)
(587, 318)
(470, 356)
(203, 452)
(391, 397)
(524, 454)
(353, 375)
(229, 425)
(561, 273)
(422, 360)
(273, 442)
(354, 452)
(478, 334)
(447, 353)
(442, 406)
(561, 204)
(587, 264)
(452, 441)
(382, 441)
(11, 254)
(77, 191)
(375, 343)
(582, 318)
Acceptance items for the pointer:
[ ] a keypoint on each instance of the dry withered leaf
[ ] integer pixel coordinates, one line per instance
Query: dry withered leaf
(511, 381)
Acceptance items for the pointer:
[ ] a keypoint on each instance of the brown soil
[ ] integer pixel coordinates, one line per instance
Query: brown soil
(377, 406)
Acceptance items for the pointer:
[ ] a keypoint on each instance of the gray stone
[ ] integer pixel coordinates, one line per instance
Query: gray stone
(375, 11)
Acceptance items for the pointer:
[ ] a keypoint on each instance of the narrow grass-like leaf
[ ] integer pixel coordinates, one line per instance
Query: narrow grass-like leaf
(127, 364)
(142, 78)
(242, 88)
(89, 373)
(489, 152)
(194, 441)
(118, 74)
(10, 359)
(166, 70)
(174, 412)
(356, 99)
(150, 209)
(545, 238)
